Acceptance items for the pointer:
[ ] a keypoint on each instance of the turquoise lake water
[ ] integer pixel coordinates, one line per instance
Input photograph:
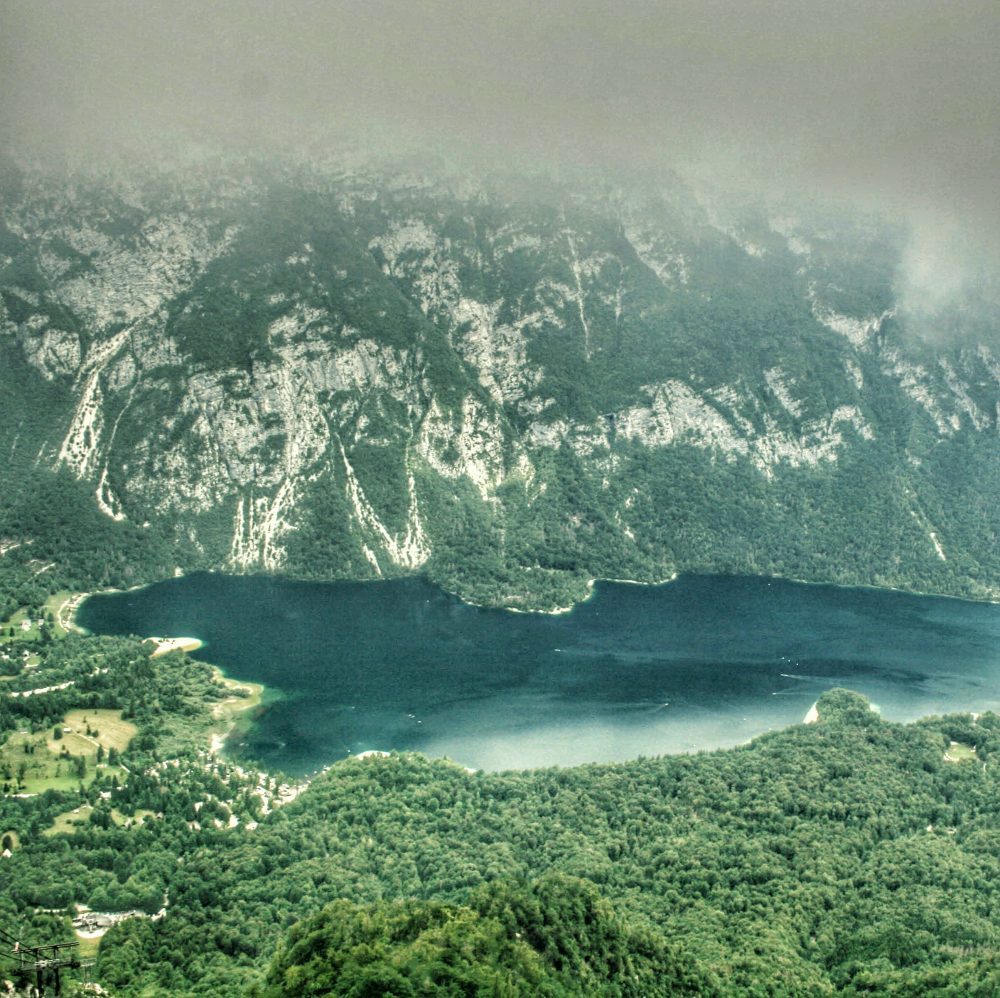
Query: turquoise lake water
(702, 662)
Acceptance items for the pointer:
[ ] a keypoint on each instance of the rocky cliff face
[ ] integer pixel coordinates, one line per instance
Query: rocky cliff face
(514, 385)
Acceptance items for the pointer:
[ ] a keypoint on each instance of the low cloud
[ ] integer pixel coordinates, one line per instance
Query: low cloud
(895, 104)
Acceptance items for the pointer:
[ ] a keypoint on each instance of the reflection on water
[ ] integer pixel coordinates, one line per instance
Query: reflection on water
(702, 662)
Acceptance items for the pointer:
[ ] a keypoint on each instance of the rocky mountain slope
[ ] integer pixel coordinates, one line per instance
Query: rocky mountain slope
(515, 384)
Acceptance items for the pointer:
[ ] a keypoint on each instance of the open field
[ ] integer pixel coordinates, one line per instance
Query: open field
(106, 728)
(72, 821)
(959, 752)
(17, 621)
(87, 948)
(33, 763)
(59, 608)
(69, 821)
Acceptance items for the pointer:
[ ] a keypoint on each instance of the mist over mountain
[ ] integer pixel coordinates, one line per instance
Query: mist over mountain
(706, 287)
(889, 104)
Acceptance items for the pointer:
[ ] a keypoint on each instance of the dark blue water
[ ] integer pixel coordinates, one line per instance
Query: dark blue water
(702, 662)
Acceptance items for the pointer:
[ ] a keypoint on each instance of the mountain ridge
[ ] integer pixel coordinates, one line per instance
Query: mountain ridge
(364, 372)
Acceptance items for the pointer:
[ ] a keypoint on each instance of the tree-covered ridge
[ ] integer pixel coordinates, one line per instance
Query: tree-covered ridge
(555, 937)
(515, 384)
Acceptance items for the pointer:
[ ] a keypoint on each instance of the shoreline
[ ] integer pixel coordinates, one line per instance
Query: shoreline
(592, 584)
(227, 712)
(71, 624)
(591, 587)
(989, 601)
(66, 613)
(78, 599)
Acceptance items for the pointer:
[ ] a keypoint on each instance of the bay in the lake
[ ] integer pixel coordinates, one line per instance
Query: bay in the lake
(702, 662)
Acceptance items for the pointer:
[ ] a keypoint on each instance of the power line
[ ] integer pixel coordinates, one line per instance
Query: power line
(43, 962)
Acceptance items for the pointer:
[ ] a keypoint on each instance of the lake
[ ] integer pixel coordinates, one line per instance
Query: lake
(702, 662)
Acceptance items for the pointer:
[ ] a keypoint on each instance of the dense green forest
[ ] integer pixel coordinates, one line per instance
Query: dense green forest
(553, 937)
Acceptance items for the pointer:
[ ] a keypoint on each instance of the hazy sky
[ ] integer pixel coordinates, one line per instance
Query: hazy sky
(896, 99)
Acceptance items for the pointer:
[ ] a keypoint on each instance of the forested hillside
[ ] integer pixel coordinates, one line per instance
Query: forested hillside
(350, 368)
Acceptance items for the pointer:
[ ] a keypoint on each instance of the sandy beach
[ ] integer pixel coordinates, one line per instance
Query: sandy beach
(164, 646)
(66, 613)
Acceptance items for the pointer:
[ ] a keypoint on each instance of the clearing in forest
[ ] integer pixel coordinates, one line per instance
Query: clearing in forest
(960, 752)
(70, 822)
(72, 753)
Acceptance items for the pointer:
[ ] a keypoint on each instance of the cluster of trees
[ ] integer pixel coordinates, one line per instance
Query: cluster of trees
(169, 699)
(554, 938)
(59, 539)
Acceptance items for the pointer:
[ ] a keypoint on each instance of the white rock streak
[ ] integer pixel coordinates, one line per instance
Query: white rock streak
(778, 383)
(979, 419)
(478, 446)
(932, 534)
(52, 351)
(575, 264)
(914, 379)
(859, 331)
(410, 551)
(258, 525)
(677, 414)
(497, 351)
(81, 447)
(937, 546)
